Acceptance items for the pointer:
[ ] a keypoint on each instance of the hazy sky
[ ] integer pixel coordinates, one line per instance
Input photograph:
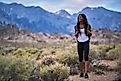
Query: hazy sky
(72, 6)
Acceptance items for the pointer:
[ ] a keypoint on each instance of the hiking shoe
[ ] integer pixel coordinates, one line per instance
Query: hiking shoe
(86, 75)
(81, 75)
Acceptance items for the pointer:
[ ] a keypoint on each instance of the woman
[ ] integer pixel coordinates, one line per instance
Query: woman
(83, 32)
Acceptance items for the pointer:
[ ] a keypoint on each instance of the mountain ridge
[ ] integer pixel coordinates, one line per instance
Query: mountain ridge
(39, 20)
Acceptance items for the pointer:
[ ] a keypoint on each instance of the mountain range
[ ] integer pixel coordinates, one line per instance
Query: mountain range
(39, 20)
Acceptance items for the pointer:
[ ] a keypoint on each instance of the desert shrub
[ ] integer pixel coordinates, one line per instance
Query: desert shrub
(47, 51)
(25, 52)
(47, 60)
(7, 50)
(2, 52)
(103, 49)
(32, 50)
(119, 65)
(20, 52)
(66, 57)
(114, 53)
(14, 69)
(99, 52)
(119, 73)
(106, 48)
(56, 72)
(94, 54)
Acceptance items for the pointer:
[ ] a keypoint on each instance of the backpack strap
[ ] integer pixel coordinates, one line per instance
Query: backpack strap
(89, 28)
(76, 30)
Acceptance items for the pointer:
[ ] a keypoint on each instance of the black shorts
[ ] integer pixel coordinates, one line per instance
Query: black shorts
(83, 50)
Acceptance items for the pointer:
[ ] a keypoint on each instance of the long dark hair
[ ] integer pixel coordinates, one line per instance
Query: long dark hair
(85, 23)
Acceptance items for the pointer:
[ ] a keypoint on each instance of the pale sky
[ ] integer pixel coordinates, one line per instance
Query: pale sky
(72, 6)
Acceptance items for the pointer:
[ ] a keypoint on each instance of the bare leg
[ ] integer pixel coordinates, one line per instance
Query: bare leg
(86, 69)
(82, 67)
(86, 53)
(86, 66)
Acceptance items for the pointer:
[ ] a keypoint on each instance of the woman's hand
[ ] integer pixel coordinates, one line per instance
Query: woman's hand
(76, 34)
(89, 31)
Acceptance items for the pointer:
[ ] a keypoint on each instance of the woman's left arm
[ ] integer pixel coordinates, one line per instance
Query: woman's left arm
(89, 30)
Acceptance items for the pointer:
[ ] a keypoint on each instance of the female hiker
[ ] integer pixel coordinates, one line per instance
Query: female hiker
(83, 32)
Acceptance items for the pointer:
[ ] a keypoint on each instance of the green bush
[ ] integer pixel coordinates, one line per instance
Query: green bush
(66, 57)
(119, 66)
(114, 53)
(2, 52)
(94, 54)
(47, 51)
(25, 52)
(99, 52)
(32, 50)
(14, 69)
(103, 49)
(56, 72)
(47, 60)
(7, 50)
(20, 52)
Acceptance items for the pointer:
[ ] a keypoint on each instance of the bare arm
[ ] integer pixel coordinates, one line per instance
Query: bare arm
(89, 30)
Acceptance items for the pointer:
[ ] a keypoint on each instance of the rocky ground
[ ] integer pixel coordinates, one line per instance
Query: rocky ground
(100, 75)
(14, 34)
(109, 76)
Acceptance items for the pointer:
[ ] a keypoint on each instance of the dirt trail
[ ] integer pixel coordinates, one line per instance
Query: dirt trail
(108, 76)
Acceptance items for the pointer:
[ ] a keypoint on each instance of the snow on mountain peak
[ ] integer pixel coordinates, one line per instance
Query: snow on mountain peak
(63, 13)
